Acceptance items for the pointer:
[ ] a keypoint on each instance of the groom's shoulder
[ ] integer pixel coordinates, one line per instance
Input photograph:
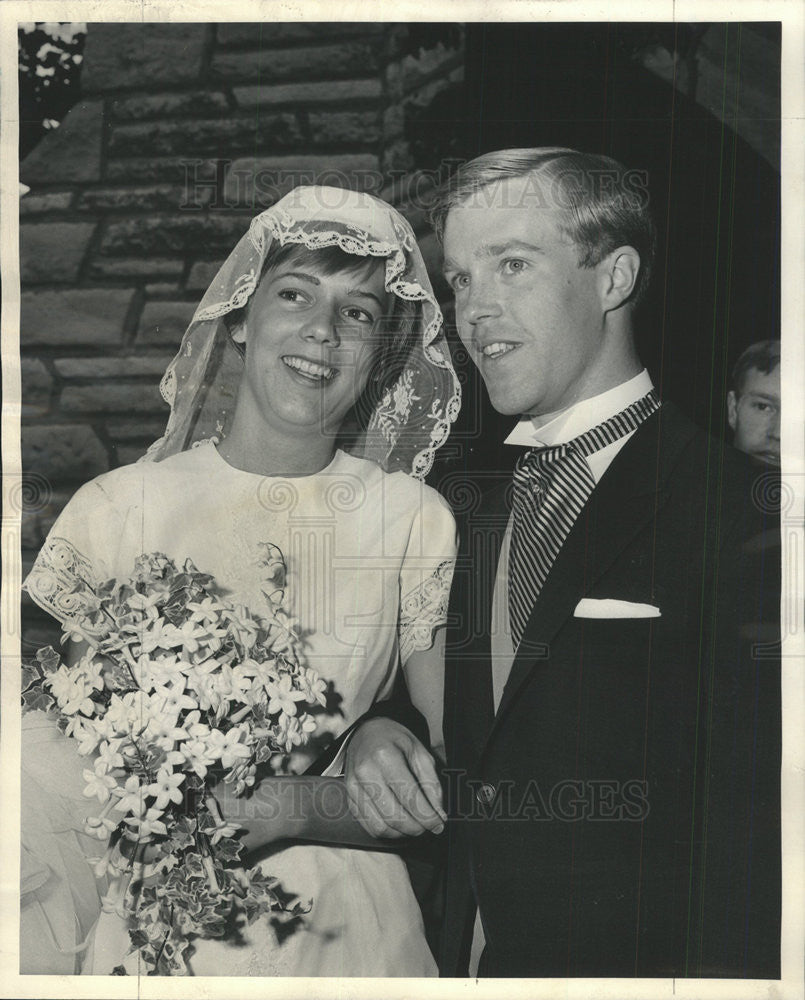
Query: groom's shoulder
(702, 461)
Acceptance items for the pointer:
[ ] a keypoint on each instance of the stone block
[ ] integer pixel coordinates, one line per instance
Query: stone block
(161, 289)
(53, 201)
(53, 251)
(323, 92)
(415, 70)
(71, 153)
(169, 234)
(203, 137)
(276, 65)
(397, 157)
(191, 103)
(118, 397)
(344, 127)
(185, 169)
(275, 32)
(152, 365)
(135, 430)
(37, 384)
(136, 267)
(393, 121)
(164, 323)
(63, 453)
(85, 317)
(159, 197)
(121, 55)
(263, 180)
(201, 275)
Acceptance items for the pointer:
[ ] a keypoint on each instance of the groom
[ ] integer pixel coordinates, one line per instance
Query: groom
(612, 702)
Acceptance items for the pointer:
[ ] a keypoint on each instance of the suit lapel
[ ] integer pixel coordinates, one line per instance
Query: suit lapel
(623, 502)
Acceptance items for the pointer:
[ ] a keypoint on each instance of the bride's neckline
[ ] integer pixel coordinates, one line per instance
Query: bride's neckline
(338, 456)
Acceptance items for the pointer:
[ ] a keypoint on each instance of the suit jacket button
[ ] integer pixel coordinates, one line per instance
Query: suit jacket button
(485, 794)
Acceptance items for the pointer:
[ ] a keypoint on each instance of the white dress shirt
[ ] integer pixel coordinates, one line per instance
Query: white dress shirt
(541, 432)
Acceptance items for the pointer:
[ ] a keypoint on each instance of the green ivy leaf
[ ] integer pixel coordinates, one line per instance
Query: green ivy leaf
(49, 659)
(37, 700)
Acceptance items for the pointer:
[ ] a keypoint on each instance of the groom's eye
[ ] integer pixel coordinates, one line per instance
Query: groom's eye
(514, 265)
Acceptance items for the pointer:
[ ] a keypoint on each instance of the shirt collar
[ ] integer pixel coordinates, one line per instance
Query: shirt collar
(582, 416)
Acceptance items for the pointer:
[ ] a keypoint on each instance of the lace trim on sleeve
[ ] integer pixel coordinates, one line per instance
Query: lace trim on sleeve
(59, 582)
(424, 609)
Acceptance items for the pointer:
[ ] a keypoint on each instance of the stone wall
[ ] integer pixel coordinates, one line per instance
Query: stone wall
(182, 132)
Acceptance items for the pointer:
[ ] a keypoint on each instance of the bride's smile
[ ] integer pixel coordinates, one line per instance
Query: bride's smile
(310, 341)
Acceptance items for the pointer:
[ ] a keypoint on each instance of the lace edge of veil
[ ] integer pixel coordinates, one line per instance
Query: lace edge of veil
(424, 609)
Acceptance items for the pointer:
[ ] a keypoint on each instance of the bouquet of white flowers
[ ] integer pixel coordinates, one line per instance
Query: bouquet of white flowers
(177, 689)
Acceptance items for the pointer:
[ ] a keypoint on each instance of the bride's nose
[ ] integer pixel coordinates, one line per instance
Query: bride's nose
(320, 326)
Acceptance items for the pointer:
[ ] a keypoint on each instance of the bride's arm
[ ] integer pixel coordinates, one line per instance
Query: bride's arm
(313, 808)
(296, 807)
(424, 677)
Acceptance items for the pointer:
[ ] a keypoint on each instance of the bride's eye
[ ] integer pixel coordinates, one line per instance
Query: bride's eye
(292, 295)
(357, 314)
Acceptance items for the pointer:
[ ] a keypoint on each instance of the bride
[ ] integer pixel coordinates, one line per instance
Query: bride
(308, 398)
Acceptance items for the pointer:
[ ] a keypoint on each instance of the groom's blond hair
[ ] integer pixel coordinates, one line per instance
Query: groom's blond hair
(604, 205)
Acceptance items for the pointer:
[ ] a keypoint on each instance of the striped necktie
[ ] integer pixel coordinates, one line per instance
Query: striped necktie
(551, 486)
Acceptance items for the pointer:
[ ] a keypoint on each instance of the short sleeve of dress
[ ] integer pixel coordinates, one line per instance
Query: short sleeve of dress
(426, 574)
(78, 553)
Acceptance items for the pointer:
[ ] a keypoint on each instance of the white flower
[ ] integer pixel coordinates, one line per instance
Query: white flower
(198, 756)
(194, 727)
(314, 687)
(142, 671)
(99, 785)
(109, 757)
(206, 610)
(166, 788)
(227, 746)
(283, 696)
(162, 727)
(99, 826)
(132, 797)
(87, 732)
(149, 824)
(168, 667)
(233, 682)
(73, 686)
(173, 697)
(129, 714)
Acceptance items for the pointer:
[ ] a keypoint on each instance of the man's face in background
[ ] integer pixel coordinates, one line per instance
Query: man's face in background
(753, 413)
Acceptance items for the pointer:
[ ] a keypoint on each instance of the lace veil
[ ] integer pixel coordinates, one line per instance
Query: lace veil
(415, 413)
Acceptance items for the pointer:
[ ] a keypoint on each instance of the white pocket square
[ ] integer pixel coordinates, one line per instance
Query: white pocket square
(591, 607)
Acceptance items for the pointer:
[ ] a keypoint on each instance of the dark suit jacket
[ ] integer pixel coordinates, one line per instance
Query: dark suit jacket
(620, 814)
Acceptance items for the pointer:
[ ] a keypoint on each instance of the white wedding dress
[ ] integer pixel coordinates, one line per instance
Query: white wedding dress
(369, 557)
